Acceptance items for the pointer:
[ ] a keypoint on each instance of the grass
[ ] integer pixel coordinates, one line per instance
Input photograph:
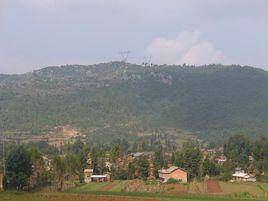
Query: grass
(92, 192)
(264, 187)
(91, 187)
(120, 185)
(241, 188)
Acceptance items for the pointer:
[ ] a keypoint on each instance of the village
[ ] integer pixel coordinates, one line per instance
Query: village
(191, 169)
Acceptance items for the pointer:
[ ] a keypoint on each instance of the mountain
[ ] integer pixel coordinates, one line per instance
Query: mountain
(117, 99)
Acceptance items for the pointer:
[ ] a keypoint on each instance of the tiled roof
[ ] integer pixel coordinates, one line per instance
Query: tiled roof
(169, 170)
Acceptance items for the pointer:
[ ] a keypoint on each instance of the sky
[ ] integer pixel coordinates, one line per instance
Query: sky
(39, 33)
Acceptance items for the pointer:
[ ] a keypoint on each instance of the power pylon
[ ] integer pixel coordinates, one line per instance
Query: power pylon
(124, 57)
(147, 61)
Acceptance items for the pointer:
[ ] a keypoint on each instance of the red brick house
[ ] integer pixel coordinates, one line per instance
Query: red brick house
(173, 172)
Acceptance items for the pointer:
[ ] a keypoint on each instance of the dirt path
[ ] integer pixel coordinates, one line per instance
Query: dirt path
(213, 187)
(109, 186)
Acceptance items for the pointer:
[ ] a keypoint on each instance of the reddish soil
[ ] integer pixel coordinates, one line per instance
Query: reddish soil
(174, 188)
(109, 186)
(97, 198)
(213, 187)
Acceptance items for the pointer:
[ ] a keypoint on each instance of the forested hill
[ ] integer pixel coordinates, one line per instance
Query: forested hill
(209, 100)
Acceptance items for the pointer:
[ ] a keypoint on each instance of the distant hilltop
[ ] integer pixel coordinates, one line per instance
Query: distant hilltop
(210, 101)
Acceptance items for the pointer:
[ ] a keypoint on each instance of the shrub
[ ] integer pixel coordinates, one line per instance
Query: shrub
(173, 181)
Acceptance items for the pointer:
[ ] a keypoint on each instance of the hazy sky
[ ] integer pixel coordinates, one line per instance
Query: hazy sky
(39, 33)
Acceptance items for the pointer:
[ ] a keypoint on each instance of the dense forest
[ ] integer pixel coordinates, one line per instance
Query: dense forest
(118, 99)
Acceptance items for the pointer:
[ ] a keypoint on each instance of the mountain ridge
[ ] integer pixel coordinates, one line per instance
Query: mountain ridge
(212, 100)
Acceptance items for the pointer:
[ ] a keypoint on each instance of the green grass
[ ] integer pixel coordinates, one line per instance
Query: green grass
(241, 188)
(264, 187)
(94, 186)
(120, 185)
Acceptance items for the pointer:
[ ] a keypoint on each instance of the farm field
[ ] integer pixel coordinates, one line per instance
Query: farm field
(236, 188)
(128, 190)
(113, 196)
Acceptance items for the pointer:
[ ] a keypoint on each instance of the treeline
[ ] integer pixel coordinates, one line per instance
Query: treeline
(37, 165)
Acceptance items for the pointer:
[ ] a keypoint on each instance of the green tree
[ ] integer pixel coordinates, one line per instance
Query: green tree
(144, 167)
(237, 149)
(190, 158)
(260, 149)
(72, 164)
(40, 176)
(59, 169)
(210, 168)
(158, 160)
(115, 152)
(18, 168)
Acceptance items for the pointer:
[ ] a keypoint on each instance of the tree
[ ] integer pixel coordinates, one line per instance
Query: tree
(260, 149)
(131, 171)
(40, 176)
(115, 152)
(158, 160)
(144, 167)
(59, 169)
(237, 149)
(210, 168)
(18, 168)
(190, 158)
(78, 146)
(72, 164)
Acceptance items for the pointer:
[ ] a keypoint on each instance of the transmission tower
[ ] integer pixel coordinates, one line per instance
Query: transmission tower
(124, 57)
(147, 61)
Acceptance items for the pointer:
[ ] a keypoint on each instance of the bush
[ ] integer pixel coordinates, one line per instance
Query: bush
(173, 181)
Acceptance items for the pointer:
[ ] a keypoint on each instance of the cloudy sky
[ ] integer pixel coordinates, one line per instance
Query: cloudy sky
(39, 33)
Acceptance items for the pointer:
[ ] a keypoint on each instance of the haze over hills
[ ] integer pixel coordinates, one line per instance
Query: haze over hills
(114, 99)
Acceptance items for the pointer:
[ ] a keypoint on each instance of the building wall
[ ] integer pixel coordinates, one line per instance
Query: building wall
(177, 174)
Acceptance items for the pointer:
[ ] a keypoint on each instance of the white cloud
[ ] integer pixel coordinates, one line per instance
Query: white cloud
(189, 47)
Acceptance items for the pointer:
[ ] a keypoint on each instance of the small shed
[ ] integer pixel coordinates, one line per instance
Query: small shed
(100, 178)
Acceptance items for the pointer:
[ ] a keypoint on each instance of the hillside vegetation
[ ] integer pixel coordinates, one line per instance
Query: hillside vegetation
(114, 99)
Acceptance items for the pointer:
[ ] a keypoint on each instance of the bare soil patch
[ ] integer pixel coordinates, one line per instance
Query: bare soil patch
(109, 186)
(213, 187)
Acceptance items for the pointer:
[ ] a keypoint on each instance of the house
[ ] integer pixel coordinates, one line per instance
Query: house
(173, 172)
(240, 175)
(87, 175)
(100, 178)
(132, 156)
(220, 160)
(1, 181)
